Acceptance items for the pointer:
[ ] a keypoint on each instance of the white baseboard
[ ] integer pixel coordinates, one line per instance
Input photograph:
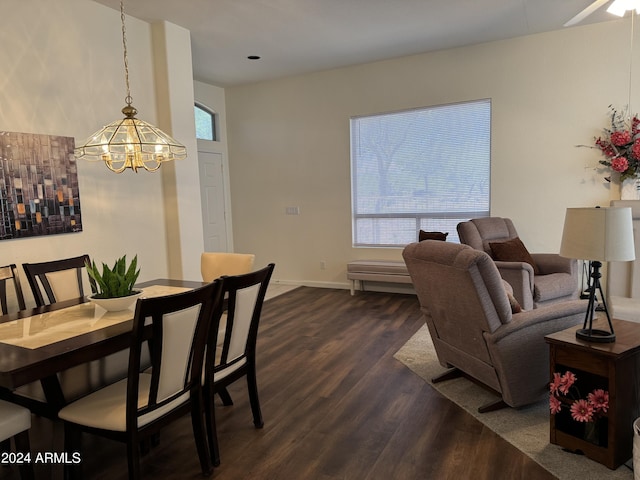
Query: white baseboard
(368, 286)
(305, 283)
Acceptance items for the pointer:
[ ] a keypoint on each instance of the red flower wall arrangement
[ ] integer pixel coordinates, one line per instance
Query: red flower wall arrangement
(620, 144)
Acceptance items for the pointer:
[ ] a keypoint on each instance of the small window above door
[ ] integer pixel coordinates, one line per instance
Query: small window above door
(205, 123)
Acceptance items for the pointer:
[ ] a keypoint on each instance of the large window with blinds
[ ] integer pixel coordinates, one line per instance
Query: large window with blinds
(421, 169)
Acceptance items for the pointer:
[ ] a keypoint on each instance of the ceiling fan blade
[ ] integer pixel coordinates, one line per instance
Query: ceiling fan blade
(586, 12)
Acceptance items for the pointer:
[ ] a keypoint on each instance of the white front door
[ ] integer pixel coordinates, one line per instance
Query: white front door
(213, 202)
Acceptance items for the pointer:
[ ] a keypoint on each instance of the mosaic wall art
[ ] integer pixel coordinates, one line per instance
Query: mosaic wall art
(38, 186)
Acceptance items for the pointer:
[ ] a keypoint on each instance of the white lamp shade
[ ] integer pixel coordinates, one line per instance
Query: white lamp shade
(603, 234)
(619, 7)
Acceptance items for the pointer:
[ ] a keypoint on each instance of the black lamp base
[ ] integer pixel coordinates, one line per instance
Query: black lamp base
(595, 335)
(587, 333)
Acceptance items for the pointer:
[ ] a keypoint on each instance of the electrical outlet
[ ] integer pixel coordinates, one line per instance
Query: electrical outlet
(323, 265)
(292, 210)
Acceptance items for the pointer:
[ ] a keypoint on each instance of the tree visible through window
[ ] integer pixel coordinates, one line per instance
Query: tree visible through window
(427, 168)
(205, 123)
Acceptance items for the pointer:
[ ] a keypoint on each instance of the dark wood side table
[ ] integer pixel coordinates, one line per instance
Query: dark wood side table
(614, 367)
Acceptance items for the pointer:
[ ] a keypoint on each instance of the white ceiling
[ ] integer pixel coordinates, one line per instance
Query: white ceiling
(301, 36)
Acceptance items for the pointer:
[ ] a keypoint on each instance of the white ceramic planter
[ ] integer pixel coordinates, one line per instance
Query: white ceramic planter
(116, 304)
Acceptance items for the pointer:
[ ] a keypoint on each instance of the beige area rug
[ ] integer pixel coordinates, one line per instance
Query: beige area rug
(526, 428)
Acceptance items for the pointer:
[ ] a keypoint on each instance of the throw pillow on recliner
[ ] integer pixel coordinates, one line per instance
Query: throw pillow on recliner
(422, 235)
(512, 250)
(515, 305)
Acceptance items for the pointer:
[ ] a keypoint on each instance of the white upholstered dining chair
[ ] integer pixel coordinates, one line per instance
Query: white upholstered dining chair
(216, 264)
(9, 274)
(15, 422)
(56, 281)
(11, 416)
(235, 356)
(135, 408)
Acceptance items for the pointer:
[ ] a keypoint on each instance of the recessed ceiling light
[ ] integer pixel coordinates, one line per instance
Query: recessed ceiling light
(254, 57)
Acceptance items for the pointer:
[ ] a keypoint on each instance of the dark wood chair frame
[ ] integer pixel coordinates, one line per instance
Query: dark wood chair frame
(209, 297)
(37, 272)
(22, 443)
(10, 272)
(230, 288)
(21, 440)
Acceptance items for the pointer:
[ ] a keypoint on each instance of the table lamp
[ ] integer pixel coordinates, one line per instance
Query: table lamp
(598, 235)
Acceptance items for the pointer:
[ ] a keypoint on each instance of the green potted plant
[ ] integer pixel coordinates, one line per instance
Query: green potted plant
(115, 285)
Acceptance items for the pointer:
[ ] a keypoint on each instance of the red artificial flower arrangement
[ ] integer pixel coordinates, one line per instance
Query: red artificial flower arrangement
(621, 145)
(582, 409)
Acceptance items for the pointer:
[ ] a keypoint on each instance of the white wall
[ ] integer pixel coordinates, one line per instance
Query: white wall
(289, 140)
(62, 73)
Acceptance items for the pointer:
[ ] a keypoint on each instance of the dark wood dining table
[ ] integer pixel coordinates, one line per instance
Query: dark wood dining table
(20, 364)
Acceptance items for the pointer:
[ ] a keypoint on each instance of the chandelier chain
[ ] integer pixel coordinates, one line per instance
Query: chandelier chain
(130, 143)
(127, 99)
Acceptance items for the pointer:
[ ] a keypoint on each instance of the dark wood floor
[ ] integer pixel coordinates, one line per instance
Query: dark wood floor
(336, 405)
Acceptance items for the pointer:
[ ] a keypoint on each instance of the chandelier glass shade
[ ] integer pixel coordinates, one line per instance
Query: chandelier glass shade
(130, 142)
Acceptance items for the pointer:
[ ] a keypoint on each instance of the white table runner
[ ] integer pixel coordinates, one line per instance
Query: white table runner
(51, 327)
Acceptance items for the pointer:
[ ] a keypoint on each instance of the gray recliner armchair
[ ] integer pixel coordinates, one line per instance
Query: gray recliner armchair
(547, 279)
(466, 307)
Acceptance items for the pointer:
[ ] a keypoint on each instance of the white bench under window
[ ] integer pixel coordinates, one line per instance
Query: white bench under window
(386, 271)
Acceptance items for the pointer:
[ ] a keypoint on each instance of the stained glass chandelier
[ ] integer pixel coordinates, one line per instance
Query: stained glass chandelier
(130, 142)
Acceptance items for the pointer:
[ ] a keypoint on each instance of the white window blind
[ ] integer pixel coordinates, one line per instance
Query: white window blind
(427, 168)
